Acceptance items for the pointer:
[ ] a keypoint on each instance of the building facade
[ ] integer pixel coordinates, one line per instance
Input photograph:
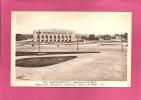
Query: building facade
(53, 35)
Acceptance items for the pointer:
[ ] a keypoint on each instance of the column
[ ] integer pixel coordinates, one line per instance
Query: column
(52, 37)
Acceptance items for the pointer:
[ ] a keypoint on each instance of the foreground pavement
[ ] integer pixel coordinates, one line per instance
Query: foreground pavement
(110, 64)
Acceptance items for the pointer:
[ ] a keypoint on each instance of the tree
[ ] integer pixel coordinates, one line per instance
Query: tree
(19, 37)
(91, 37)
(96, 38)
(107, 37)
(84, 38)
(126, 36)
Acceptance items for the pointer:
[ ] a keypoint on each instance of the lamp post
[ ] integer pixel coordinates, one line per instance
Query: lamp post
(39, 39)
(77, 43)
(121, 43)
(33, 40)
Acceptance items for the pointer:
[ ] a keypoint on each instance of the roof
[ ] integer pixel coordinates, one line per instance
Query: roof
(54, 30)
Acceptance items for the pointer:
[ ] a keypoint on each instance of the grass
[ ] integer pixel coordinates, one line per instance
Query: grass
(49, 53)
(42, 61)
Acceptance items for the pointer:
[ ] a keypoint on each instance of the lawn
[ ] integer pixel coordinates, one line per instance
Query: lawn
(42, 61)
(52, 53)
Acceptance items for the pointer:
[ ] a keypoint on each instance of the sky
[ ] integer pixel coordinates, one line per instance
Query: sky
(25, 22)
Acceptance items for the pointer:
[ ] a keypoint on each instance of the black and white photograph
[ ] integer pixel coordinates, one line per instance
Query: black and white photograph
(71, 49)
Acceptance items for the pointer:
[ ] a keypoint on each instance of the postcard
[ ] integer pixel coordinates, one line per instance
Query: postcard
(71, 49)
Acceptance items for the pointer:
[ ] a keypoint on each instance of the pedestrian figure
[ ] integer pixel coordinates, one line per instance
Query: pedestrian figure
(98, 43)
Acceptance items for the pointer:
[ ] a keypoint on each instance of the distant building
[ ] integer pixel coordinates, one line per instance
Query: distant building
(53, 35)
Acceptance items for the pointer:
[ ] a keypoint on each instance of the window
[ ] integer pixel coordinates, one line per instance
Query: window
(69, 38)
(54, 36)
(58, 37)
(38, 36)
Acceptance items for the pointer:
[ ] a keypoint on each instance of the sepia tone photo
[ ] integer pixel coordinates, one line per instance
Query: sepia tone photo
(71, 49)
